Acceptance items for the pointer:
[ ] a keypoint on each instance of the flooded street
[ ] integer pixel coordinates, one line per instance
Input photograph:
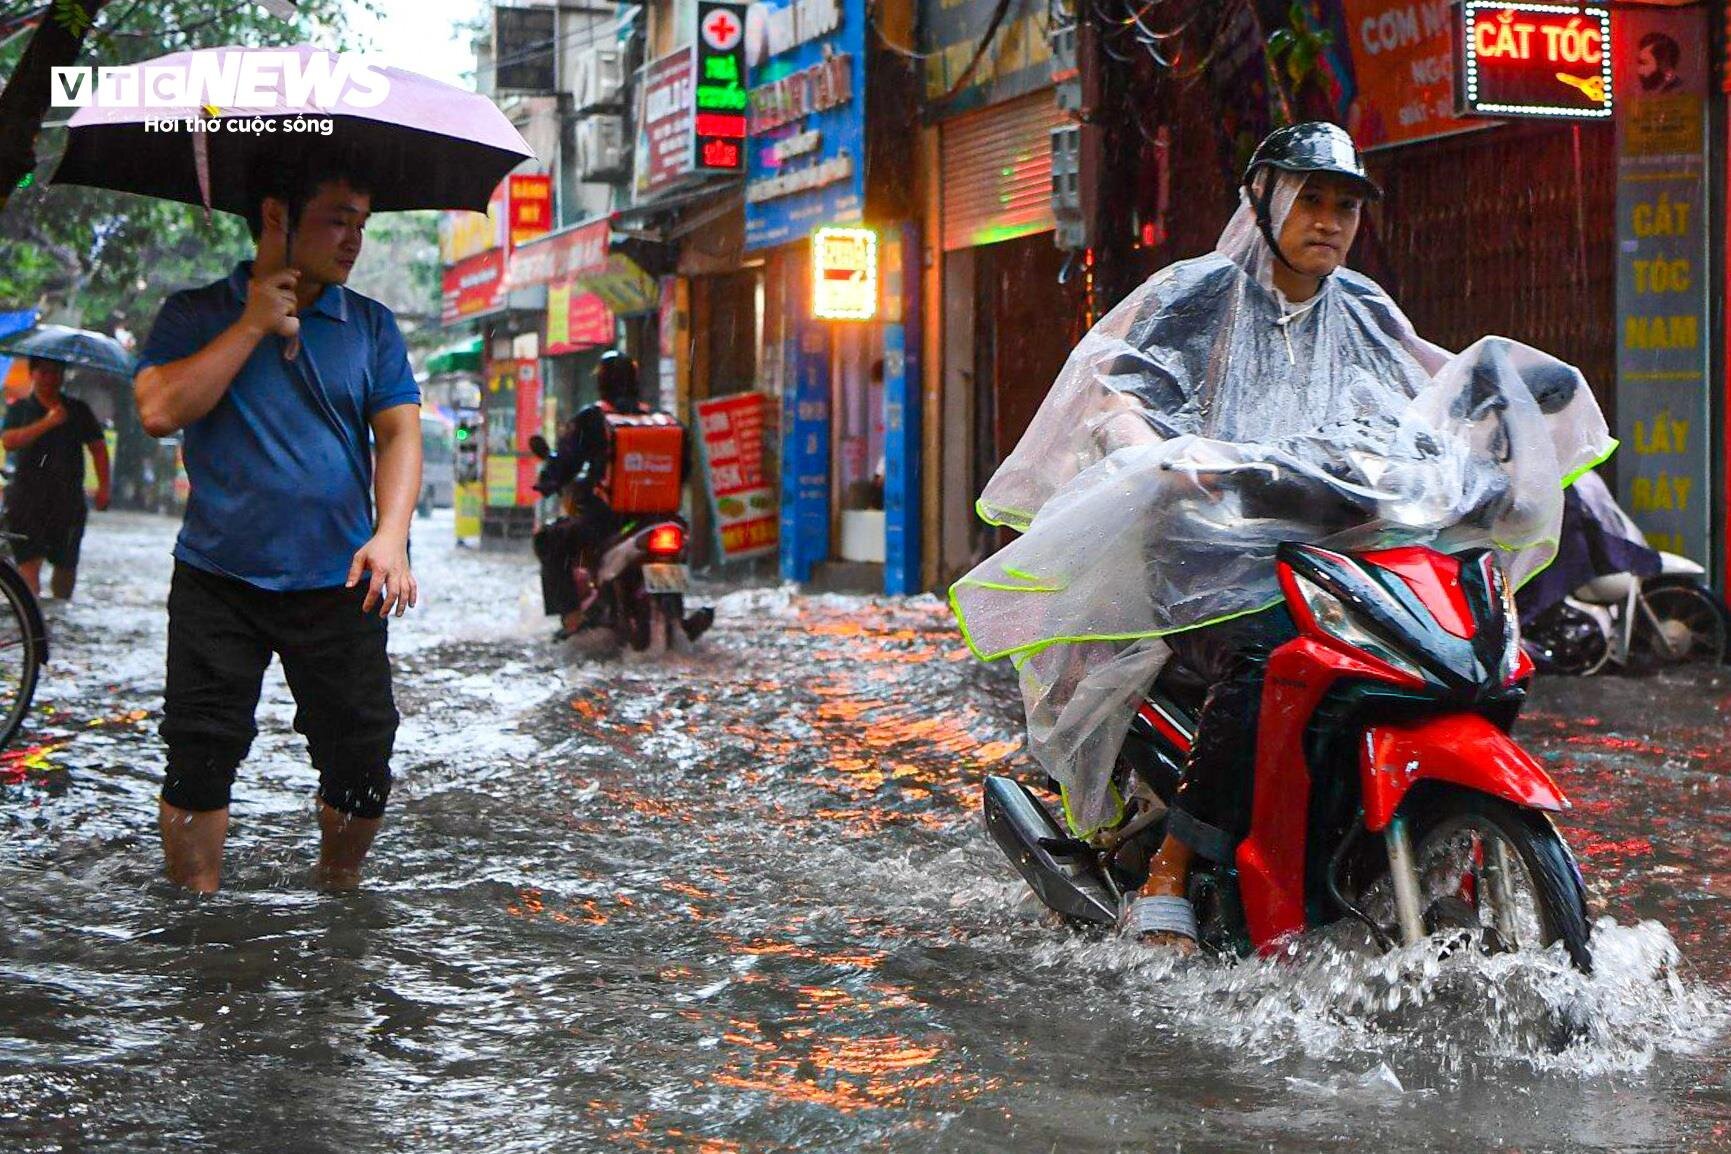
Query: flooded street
(743, 901)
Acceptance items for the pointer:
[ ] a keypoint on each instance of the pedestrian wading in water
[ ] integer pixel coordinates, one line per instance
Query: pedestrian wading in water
(47, 434)
(279, 377)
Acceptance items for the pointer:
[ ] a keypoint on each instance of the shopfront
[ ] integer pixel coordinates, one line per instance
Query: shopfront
(1009, 302)
(835, 305)
(494, 492)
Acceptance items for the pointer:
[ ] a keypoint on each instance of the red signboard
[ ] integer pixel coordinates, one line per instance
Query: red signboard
(1403, 58)
(562, 255)
(664, 134)
(531, 201)
(1541, 60)
(576, 320)
(473, 286)
(529, 421)
(746, 514)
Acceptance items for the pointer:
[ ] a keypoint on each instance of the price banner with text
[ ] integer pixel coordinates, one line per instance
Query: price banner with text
(731, 430)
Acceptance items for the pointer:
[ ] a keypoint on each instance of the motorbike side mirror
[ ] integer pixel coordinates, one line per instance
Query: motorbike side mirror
(538, 446)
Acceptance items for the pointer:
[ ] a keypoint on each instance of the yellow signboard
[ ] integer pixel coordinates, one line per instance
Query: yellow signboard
(469, 498)
(844, 275)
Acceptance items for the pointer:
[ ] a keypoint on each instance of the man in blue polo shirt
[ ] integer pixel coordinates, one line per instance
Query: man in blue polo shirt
(285, 385)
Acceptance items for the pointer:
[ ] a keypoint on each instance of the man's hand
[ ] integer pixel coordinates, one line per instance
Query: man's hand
(102, 498)
(55, 417)
(391, 584)
(270, 304)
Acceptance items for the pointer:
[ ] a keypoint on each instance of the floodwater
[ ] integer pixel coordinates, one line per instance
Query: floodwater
(742, 901)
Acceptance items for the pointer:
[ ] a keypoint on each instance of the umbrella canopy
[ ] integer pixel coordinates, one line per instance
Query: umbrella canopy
(426, 144)
(70, 346)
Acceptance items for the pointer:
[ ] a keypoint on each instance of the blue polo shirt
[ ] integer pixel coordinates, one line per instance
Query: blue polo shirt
(282, 468)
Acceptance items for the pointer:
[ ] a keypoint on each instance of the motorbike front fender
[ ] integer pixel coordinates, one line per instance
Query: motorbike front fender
(1461, 749)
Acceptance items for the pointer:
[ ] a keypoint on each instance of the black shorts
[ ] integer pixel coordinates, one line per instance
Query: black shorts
(221, 634)
(54, 534)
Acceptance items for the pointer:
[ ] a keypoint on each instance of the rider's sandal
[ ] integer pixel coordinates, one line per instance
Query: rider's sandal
(1158, 914)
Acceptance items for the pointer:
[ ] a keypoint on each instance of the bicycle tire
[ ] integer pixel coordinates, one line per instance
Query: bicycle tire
(21, 604)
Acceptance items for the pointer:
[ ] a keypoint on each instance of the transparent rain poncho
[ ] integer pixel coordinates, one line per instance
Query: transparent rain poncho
(1205, 420)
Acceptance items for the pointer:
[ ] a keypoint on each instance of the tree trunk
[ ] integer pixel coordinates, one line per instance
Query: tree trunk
(28, 96)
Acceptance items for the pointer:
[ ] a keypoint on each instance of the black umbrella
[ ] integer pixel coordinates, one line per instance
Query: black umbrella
(70, 346)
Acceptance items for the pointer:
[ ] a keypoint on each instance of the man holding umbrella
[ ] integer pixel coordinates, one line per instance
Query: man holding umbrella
(47, 435)
(301, 419)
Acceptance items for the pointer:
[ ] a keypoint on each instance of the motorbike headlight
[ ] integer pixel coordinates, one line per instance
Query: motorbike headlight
(1333, 618)
(1511, 624)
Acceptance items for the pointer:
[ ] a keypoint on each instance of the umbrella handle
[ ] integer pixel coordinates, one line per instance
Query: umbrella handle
(291, 346)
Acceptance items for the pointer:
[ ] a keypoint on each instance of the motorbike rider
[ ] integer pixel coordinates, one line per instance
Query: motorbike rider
(1298, 380)
(579, 471)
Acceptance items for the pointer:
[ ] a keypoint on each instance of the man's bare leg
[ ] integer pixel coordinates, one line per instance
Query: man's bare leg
(343, 844)
(63, 580)
(192, 846)
(31, 571)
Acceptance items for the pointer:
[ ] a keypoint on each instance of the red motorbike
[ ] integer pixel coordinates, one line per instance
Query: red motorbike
(1387, 789)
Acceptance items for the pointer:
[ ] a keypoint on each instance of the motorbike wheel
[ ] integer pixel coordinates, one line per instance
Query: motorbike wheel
(1690, 619)
(1568, 641)
(1499, 873)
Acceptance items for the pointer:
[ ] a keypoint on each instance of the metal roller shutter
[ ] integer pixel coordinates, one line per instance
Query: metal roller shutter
(997, 171)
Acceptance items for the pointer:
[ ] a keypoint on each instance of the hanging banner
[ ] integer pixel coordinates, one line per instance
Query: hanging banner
(742, 502)
(530, 206)
(529, 422)
(463, 234)
(1017, 60)
(499, 452)
(561, 255)
(1403, 67)
(806, 156)
(576, 320)
(1663, 319)
(663, 150)
(474, 286)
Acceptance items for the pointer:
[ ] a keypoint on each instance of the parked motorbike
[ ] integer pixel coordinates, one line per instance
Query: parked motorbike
(1387, 789)
(1671, 618)
(636, 581)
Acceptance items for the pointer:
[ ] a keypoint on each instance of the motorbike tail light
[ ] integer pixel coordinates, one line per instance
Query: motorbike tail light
(665, 541)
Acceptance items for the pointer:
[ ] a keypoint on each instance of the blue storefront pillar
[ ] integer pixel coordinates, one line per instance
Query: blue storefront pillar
(805, 453)
(902, 405)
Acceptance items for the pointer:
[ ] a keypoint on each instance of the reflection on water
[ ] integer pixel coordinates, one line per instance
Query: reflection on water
(740, 901)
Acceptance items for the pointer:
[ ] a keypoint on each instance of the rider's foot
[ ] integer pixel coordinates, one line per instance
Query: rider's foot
(698, 623)
(1168, 878)
(569, 624)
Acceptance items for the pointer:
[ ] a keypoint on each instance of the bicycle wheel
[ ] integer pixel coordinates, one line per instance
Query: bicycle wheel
(1689, 630)
(21, 650)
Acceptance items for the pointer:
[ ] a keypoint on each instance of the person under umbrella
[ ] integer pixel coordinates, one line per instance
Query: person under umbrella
(47, 433)
(288, 386)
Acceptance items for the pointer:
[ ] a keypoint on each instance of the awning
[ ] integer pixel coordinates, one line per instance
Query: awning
(583, 257)
(461, 357)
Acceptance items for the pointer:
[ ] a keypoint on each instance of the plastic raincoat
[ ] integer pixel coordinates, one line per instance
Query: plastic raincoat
(1205, 420)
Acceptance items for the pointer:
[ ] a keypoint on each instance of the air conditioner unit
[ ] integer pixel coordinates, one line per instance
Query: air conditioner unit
(600, 79)
(600, 148)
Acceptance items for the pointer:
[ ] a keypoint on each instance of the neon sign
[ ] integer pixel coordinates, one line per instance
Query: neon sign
(844, 274)
(1541, 60)
(721, 97)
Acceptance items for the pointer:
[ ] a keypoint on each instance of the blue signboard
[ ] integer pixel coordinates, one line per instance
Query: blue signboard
(805, 159)
(805, 455)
